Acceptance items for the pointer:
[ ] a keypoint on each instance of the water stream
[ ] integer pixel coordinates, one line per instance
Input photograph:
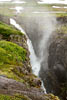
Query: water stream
(33, 59)
(35, 63)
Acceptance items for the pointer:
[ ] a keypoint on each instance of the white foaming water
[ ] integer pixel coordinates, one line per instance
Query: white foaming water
(33, 59)
(52, 2)
(35, 63)
(13, 22)
(18, 9)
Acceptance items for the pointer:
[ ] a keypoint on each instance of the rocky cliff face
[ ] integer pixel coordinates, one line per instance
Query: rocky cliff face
(53, 68)
(16, 79)
(55, 77)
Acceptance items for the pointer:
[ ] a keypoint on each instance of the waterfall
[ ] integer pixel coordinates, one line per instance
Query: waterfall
(35, 63)
(33, 59)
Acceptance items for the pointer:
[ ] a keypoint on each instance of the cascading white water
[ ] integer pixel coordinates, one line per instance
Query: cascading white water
(18, 9)
(33, 59)
(45, 31)
(35, 63)
(13, 22)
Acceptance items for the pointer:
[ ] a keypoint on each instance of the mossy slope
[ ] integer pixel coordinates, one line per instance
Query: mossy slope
(14, 59)
(7, 30)
(17, 97)
(11, 55)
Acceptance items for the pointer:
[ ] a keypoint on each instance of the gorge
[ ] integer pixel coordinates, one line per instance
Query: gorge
(43, 37)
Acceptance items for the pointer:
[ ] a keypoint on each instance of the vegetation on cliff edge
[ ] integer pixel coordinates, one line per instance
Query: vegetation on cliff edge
(7, 30)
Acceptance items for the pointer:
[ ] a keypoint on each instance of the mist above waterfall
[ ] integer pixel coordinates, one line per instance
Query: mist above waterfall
(39, 28)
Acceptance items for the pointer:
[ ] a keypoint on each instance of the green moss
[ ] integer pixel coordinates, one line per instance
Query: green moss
(51, 97)
(11, 55)
(63, 90)
(7, 30)
(24, 97)
(11, 52)
(5, 97)
(28, 79)
(17, 97)
(61, 14)
(62, 29)
(14, 60)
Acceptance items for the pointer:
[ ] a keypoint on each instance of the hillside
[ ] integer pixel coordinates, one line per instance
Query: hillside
(16, 79)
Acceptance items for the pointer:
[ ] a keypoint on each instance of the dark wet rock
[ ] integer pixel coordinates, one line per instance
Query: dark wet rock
(54, 71)
(62, 19)
(37, 82)
(55, 76)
